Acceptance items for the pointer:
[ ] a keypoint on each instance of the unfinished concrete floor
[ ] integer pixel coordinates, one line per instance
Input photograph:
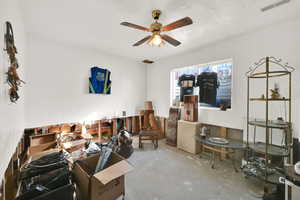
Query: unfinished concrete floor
(171, 174)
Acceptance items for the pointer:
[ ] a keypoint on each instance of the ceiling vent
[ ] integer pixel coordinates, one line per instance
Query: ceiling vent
(148, 61)
(274, 5)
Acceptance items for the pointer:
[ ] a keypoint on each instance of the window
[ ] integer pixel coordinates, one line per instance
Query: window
(219, 93)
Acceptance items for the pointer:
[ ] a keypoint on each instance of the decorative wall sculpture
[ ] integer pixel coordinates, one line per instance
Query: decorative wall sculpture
(13, 78)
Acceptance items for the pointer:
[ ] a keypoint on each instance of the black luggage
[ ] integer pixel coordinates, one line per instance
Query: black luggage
(44, 164)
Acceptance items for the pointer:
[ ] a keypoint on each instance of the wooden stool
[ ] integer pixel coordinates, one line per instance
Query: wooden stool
(148, 135)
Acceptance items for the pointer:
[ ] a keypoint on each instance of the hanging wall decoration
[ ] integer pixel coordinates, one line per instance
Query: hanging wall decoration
(13, 78)
(99, 82)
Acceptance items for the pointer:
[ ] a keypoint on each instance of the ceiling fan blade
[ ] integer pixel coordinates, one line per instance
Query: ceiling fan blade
(170, 40)
(177, 24)
(142, 41)
(135, 26)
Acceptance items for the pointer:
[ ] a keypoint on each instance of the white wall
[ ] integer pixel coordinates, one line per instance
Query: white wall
(11, 115)
(280, 40)
(57, 83)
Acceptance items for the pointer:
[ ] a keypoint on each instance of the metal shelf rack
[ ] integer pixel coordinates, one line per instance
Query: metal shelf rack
(259, 165)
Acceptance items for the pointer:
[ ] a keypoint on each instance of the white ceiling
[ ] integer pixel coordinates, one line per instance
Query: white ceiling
(96, 23)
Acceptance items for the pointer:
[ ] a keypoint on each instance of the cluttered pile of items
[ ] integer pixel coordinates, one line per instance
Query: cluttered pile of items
(82, 160)
(90, 171)
(46, 176)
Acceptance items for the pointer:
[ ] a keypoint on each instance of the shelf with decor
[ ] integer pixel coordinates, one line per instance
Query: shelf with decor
(256, 168)
(270, 124)
(265, 158)
(269, 99)
(273, 150)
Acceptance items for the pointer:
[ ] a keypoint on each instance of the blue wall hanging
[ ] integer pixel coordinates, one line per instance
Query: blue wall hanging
(99, 82)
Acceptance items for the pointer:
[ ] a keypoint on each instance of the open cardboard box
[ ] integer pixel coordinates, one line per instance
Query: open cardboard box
(107, 184)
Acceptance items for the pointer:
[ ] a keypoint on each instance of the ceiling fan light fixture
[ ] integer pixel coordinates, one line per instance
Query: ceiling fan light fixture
(156, 28)
(156, 40)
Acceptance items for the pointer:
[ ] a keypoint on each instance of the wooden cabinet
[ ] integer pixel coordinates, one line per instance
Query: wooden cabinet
(186, 136)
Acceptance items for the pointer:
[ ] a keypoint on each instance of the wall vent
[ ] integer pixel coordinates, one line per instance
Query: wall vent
(274, 5)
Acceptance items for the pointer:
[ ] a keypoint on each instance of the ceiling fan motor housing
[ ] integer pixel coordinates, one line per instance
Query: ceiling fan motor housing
(156, 14)
(155, 26)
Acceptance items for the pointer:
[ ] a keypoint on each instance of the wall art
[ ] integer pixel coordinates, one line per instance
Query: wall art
(99, 82)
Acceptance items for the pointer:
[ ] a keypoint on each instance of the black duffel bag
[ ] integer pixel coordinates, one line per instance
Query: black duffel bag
(65, 193)
(43, 165)
(51, 180)
(45, 183)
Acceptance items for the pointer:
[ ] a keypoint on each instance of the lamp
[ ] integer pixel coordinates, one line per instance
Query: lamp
(156, 40)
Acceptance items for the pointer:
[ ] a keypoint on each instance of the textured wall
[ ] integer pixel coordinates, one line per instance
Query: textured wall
(58, 84)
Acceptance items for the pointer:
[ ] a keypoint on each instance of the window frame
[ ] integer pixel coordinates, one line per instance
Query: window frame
(224, 61)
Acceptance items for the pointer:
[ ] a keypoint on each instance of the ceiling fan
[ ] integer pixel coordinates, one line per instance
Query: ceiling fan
(156, 28)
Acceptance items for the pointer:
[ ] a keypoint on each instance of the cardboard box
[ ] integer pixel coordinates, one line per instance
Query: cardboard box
(108, 184)
(148, 105)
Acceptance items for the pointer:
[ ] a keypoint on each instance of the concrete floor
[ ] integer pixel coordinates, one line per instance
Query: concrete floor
(171, 174)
